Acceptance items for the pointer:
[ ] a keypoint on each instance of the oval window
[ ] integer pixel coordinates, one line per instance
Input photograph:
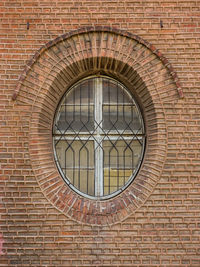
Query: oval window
(98, 137)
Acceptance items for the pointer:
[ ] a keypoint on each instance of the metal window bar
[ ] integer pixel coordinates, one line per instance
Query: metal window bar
(98, 135)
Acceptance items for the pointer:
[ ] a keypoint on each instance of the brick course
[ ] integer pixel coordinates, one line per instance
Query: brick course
(163, 228)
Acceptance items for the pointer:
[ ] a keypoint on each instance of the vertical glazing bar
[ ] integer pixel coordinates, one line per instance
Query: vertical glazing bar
(111, 124)
(79, 168)
(117, 169)
(109, 164)
(88, 163)
(124, 158)
(94, 157)
(74, 166)
(65, 163)
(65, 110)
(88, 119)
(98, 105)
(117, 103)
(74, 109)
(98, 86)
(132, 151)
(116, 142)
(80, 114)
(124, 161)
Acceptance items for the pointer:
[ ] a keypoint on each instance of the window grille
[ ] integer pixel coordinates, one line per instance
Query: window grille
(98, 137)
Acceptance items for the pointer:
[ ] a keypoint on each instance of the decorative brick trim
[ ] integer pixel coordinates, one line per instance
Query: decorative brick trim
(91, 29)
(53, 70)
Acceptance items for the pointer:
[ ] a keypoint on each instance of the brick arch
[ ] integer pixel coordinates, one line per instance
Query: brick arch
(54, 69)
(100, 29)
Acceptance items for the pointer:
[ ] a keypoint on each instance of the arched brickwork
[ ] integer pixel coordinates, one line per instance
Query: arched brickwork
(59, 64)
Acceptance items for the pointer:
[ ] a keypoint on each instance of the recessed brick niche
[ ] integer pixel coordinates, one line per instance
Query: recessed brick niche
(61, 63)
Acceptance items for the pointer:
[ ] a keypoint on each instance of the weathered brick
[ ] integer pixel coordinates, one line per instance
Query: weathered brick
(156, 221)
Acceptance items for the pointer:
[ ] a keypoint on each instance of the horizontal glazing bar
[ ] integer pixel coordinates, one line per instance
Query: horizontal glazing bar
(105, 103)
(82, 105)
(110, 133)
(77, 168)
(119, 104)
(85, 138)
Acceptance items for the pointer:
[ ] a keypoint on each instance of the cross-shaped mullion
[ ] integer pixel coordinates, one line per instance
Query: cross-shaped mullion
(98, 151)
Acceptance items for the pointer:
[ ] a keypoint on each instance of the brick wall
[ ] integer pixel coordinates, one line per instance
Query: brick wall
(162, 230)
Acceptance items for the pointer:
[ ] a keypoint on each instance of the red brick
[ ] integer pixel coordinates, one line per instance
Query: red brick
(155, 222)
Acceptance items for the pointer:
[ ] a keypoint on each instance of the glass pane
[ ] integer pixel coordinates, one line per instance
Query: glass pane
(113, 93)
(121, 118)
(86, 183)
(76, 159)
(80, 94)
(121, 159)
(75, 118)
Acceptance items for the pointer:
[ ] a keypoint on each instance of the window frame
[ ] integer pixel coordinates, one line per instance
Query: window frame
(100, 176)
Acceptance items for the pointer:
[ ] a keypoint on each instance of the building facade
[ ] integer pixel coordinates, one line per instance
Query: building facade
(100, 122)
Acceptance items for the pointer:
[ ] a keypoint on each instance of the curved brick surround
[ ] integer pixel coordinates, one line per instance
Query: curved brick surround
(59, 64)
(61, 38)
